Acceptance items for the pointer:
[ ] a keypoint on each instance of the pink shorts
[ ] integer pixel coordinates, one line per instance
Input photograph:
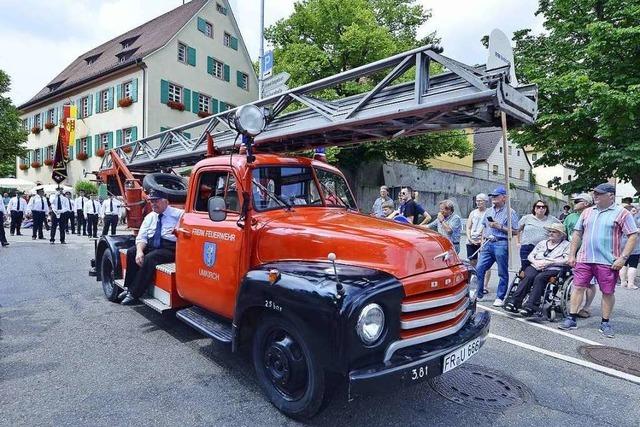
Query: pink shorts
(605, 276)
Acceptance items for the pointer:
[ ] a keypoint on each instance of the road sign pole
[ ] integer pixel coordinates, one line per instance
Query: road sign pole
(261, 58)
(507, 185)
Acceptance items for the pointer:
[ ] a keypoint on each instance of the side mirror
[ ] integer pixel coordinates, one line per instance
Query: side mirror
(217, 209)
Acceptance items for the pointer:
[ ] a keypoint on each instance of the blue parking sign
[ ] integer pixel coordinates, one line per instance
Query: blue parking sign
(267, 64)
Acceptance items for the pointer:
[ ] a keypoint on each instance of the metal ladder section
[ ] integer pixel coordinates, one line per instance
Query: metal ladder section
(461, 97)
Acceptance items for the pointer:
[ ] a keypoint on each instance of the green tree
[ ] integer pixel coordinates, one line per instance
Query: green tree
(87, 186)
(586, 66)
(326, 37)
(12, 136)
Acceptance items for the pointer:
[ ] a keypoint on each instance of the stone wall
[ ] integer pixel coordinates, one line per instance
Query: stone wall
(434, 186)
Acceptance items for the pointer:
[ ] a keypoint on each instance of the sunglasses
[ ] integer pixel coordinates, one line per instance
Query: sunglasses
(403, 193)
(540, 206)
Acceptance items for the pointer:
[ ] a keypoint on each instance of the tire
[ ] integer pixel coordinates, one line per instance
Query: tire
(111, 290)
(565, 304)
(287, 368)
(175, 186)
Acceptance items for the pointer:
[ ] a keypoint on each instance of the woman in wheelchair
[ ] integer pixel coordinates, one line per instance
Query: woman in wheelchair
(547, 260)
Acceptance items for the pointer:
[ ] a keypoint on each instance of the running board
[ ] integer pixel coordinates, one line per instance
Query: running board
(149, 301)
(206, 323)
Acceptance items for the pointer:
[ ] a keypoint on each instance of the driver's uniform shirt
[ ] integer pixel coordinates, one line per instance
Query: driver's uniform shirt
(170, 218)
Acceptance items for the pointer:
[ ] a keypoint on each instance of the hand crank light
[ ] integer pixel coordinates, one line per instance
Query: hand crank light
(249, 120)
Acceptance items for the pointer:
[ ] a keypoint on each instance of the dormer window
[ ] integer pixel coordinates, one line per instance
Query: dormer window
(128, 42)
(55, 85)
(93, 58)
(124, 56)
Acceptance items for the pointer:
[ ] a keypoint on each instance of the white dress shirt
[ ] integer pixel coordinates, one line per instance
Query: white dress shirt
(65, 204)
(170, 218)
(38, 203)
(91, 207)
(79, 202)
(72, 205)
(107, 207)
(2, 209)
(17, 204)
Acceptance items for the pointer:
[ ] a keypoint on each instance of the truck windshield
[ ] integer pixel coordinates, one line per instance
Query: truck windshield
(282, 187)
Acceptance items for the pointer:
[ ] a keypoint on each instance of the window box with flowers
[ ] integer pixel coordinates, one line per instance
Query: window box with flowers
(100, 152)
(203, 114)
(36, 165)
(82, 155)
(125, 102)
(35, 130)
(24, 166)
(175, 105)
(49, 125)
(48, 162)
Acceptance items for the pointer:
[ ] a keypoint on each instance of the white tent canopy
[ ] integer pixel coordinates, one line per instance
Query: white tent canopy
(17, 183)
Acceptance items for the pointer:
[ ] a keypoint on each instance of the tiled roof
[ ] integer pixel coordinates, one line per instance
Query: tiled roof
(143, 40)
(484, 142)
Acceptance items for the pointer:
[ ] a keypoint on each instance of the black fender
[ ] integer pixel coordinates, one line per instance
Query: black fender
(306, 293)
(115, 243)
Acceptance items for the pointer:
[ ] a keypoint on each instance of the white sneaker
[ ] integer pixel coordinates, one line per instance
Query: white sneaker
(498, 303)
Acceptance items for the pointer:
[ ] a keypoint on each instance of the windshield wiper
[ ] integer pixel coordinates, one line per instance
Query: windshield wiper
(272, 195)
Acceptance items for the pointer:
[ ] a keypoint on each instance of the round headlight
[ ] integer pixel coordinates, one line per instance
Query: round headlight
(249, 120)
(370, 323)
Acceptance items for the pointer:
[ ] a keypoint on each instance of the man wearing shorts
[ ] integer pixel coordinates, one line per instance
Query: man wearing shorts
(598, 233)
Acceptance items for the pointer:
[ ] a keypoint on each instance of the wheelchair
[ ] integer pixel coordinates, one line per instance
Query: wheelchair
(555, 299)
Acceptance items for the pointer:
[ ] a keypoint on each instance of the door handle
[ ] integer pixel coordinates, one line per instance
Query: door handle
(184, 231)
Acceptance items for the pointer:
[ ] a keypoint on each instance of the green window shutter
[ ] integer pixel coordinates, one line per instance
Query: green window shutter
(227, 73)
(186, 93)
(96, 142)
(223, 106)
(191, 56)
(118, 137)
(98, 103)
(90, 105)
(134, 90)
(202, 26)
(110, 97)
(234, 43)
(89, 147)
(134, 133)
(187, 135)
(196, 107)
(164, 91)
(119, 92)
(239, 78)
(214, 106)
(110, 140)
(210, 65)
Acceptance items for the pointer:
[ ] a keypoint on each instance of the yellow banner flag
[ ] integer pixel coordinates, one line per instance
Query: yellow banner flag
(70, 124)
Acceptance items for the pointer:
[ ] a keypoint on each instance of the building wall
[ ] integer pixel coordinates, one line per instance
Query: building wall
(454, 163)
(517, 162)
(544, 174)
(164, 65)
(96, 123)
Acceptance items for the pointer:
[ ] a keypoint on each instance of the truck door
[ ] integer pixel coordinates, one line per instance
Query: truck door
(208, 253)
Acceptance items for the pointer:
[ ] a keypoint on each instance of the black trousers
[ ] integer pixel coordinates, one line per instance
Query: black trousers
(39, 218)
(92, 225)
(533, 283)
(71, 222)
(138, 278)
(3, 237)
(110, 221)
(59, 222)
(16, 222)
(82, 224)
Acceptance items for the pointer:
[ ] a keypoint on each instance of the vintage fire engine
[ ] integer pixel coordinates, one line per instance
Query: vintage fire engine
(273, 255)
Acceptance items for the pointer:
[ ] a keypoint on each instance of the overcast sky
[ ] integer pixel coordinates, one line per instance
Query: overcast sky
(39, 38)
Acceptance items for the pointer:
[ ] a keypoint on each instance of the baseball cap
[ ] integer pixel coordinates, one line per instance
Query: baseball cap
(585, 197)
(500, 191)
(157, 194)
(605, 187)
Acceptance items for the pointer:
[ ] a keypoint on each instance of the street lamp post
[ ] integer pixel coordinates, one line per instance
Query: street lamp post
(261, 57)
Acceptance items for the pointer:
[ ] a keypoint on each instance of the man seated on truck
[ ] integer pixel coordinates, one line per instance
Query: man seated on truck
(155, 244)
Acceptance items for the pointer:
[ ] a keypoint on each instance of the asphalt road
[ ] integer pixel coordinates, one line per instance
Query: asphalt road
(70, 357)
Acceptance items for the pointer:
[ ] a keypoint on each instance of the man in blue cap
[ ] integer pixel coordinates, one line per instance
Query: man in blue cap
(496, 228)
(155, 244)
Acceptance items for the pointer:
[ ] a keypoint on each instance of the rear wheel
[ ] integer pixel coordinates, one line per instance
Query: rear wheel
(565, 304)
(111, 290)
(287, 369)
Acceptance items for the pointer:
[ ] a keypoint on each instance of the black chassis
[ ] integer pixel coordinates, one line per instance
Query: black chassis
(306, 293)
(114, 243)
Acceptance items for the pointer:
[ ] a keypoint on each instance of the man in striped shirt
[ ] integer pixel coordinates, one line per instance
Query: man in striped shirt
(598, 234)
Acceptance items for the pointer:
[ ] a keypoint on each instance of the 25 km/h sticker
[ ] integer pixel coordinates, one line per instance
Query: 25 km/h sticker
(461, 355)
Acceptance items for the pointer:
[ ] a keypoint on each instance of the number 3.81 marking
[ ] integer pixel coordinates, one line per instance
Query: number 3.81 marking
(418, 373)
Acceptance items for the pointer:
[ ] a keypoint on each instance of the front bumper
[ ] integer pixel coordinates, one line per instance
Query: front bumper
(418, 363)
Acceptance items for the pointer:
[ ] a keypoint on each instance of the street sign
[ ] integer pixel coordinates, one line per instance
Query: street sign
(275, 84)
(267, 64)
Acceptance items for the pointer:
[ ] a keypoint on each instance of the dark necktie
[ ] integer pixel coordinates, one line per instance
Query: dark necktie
(157, 236)
(82, 203)
(41, 203)
(59, 203)
(111, 203)
(93, 203)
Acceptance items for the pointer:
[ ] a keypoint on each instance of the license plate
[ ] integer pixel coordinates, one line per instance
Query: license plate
(461, 355)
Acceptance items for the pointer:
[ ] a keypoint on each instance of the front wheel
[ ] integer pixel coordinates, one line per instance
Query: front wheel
(108, 274)
(287, 369)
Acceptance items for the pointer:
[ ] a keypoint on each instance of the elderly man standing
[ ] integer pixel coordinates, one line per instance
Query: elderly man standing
(448, 223)
(39, 209)
(155, 244)
(376, 210)
(496, 250)
(597, 234)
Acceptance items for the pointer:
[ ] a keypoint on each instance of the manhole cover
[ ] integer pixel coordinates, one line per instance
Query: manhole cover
(612, 357)
(481, 388)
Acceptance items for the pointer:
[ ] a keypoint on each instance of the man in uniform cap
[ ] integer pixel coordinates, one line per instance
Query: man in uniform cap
(39, 209)
(60, 206)
(155, 244)
(17, 206)
(79, 204)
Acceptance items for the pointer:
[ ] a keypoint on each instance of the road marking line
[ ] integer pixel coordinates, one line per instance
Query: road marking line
(537, 325)
(590, 365)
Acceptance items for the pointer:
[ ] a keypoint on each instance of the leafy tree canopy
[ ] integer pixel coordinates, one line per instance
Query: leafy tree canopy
(326, 37)
(586, 66)
(12, 136)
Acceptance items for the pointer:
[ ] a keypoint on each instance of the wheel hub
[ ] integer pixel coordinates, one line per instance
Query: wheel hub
(285, 364)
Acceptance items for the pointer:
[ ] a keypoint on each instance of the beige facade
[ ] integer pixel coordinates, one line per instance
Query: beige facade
(182, 62)
(453, 163)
